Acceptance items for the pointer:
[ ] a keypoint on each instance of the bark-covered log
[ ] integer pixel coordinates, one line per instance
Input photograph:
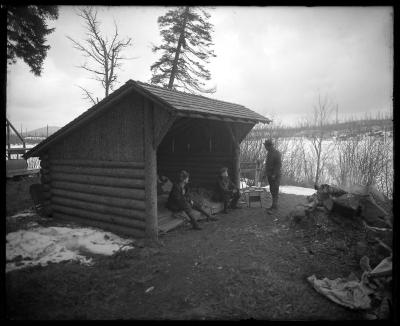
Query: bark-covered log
(137, 205)
(88, 215)
(99, 164)
(137, 194)
(110, 172)
(98, 208)
(133, 232)
(150, 172)
(98, 180)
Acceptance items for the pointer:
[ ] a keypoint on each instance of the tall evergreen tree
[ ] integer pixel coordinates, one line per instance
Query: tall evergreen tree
(186, 34)
(26, 34)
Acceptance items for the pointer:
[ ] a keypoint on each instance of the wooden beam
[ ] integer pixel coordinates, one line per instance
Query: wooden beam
(150, 171)
(214, 117)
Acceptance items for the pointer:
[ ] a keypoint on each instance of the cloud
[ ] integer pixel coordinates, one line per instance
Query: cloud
(274, 60)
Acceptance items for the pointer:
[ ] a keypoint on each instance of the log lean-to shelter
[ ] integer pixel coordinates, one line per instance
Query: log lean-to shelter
(101, 168)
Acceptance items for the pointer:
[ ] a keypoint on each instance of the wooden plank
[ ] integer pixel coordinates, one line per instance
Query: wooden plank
(170, 224)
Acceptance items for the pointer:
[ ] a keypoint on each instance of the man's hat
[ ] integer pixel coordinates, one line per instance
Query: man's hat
(183, 175)
(268, 143)
(223, 169)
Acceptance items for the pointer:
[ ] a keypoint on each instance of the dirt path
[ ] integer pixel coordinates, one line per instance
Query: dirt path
(246, 265)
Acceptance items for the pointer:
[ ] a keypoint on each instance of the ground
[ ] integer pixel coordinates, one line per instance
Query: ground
(17, 193)
(246, 265)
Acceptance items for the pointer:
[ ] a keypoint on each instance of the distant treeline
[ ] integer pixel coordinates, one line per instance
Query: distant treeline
(305, 129)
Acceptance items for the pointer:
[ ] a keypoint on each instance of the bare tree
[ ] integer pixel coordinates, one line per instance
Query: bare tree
(320, 118)
(104, 54)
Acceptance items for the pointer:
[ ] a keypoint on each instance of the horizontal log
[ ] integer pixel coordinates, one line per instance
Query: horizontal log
(99, 164)
(111, 172)
(105, 226)
(137, 194)
(195, 161)
(194, 154)
(98, 208)
(137, 205)
(107, 218)
(98, 180)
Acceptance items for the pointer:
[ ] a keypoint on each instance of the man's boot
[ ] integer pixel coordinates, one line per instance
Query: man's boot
(274, 203)
(193, 221)
(225, 211)
(209, 217)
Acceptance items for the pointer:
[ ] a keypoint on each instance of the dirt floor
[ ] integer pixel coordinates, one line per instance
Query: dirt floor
(246, 265)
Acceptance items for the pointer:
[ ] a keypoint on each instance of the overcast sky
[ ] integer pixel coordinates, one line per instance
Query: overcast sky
(273, 60)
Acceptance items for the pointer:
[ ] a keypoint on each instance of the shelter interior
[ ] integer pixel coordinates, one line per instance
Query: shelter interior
(201, 147)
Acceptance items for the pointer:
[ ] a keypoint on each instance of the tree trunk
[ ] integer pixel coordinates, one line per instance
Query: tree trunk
(178, 51)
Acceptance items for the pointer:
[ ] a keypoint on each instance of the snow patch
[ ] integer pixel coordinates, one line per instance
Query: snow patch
(41, 245)
(293, 190)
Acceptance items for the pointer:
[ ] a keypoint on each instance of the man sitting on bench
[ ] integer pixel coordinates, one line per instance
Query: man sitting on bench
(179, 200)
(226, 191)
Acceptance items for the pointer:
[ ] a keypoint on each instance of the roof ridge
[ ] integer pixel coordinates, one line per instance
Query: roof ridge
(176, 91)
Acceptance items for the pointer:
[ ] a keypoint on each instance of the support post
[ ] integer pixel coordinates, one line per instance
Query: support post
(150, 172)
(236, 164)
(8, 140)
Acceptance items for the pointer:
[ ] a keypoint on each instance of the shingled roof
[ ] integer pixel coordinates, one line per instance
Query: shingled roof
(182, 103)
(185, 102)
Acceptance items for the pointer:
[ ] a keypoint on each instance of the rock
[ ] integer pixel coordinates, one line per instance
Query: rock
(364, 264)
(372, 213)
(347, 205)
(328, 204)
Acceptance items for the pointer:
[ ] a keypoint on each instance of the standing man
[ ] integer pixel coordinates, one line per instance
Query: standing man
(273, 172)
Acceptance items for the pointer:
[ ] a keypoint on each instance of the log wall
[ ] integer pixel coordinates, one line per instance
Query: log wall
(107, 194)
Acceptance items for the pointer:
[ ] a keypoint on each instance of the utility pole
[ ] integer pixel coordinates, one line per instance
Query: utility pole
(47, 131)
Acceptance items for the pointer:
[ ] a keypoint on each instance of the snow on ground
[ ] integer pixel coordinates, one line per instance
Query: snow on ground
(40, 245)
(295, 190)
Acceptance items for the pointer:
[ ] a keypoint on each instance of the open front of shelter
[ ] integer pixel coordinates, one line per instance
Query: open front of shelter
(101, 168)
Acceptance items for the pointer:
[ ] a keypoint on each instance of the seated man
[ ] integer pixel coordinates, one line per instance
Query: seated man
(179, 200)
(226, 190)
